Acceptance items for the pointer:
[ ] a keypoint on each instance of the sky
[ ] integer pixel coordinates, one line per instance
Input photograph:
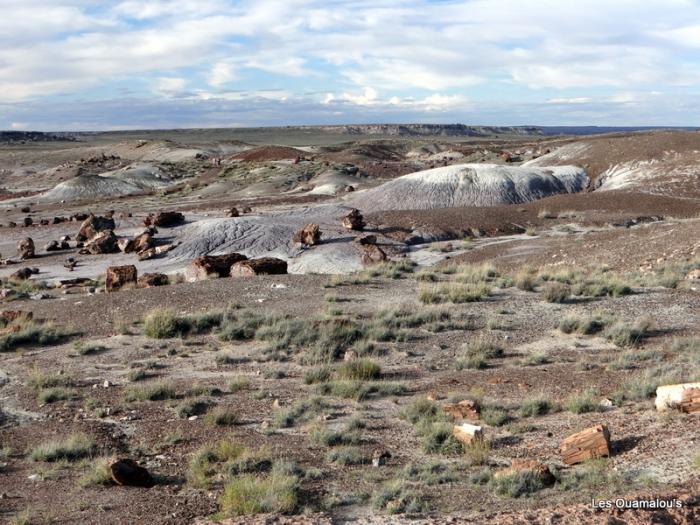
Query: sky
(130, 64)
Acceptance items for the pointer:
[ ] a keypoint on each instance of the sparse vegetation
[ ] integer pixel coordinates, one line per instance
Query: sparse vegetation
(72, 448)
(31, 334)
(537, 406)
(249, 494)
(399, 498)
(150, 392)
(556, 292)
(582, 403)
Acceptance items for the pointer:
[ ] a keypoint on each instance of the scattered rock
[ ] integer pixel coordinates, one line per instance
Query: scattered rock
(380, 457)
(309, 235)
(55, 246)
(24, 273)
(528, 465)
(591, 443)
(128, 472)
(28, 221)
(165, 219)
(354, 220)
(366, 240)
(25, 248)
(119, 276)
(93, 225)
(104, 242)
(149, 280)
(466, 409)
(466, 433)
(261, 266)
(210, 266)
(233, 212)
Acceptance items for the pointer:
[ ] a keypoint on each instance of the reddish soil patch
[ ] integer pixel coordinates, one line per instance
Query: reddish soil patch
(267, 153)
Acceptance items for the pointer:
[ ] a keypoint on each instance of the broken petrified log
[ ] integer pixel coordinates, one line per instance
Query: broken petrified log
(591, 443)
(140, 243)
(354, 220)
(262, 266)
(103, 242)
(309, 235)
(165, 219)
(23, 274)
(519, 466)
(128, 472)
(149, 280)
(119, 276)
(150, 253)
(210, 266)
(465, 409)
(669, 396)
(466, 433)
(690, 401)
(92, 226)
(25, 248)
(372, 254)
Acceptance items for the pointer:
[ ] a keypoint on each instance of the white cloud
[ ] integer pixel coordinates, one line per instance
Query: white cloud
(569, 100)
(169, 86)
(222, 73)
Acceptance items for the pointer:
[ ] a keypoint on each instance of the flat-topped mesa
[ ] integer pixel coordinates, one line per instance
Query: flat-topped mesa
(211, 266)
(261, 266)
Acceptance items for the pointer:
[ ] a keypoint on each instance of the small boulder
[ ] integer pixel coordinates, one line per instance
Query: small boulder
(465, 409)
(149, 280)
(519, 466)
(28, 221)
(104, 242)
(309, 235)
(93, 225)
(261, 266)
(467, 433)
(366, 240)
(55, 246)
(354, 220)
(23, 274)
(210, 266)
(233, 212)
(128, 472)
(25, 248)
(119, 276)
(372, 254)
(167, 219)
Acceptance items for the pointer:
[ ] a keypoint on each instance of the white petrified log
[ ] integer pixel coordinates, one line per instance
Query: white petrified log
(670, 396)
(467, 433)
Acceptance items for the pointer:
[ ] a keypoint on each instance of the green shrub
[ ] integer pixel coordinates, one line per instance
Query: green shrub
(191, 407)
(163, 323)
(249, 494)
(151, 392)
(222, 417)
(536, 407)
(73, 448)
(494, 416)
(556, 292)
(629, 334)
(97, 474)
(582, 403)
(517, 484)
(360, 369)
(346, 456)
(583, 325)
(51, 395)
(360, 390)
(31, 334)
(398, 498)
(301, 411)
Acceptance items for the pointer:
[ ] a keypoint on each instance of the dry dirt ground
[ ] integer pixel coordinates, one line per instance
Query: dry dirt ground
(263, 400)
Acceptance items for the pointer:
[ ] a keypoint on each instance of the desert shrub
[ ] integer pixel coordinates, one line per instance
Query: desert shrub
(477, 452)
(438, 438)
(476, 352)
(151, 392)
(359, 369)
(191, 407)
(629, 334)
(454, 293)
(239, 383)
(430, 473)
(643, 385)
(222, 417)
(398, 498)
(137, 375)
(73, 448)
(163, 323)
(301, 411)
(420, 409)
(97, 474)
(556, 292)
(360, 390)
(536, 407)
(582, 403)
(476, 273)
(318, 375)
(517, 484)
(249, 494)
(332, 438)
(584, 325)
(38, 379)
(346, 456)
(31, 334)
(208, 460)
(51, 395)
(525, 280)
(632, 358)
(535, 359)
(594, 473)
(88, 349)
(546, 214)
(494, 416)
(602, 286)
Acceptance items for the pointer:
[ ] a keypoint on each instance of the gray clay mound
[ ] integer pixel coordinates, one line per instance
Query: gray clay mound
(271, 235)
(126, 181)
(332, 182)
(465, 185)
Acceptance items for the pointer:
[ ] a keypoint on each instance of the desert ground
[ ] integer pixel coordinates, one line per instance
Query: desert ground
(378, 324)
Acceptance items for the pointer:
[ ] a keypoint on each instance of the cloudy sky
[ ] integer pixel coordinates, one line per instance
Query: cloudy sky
(100, 64)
